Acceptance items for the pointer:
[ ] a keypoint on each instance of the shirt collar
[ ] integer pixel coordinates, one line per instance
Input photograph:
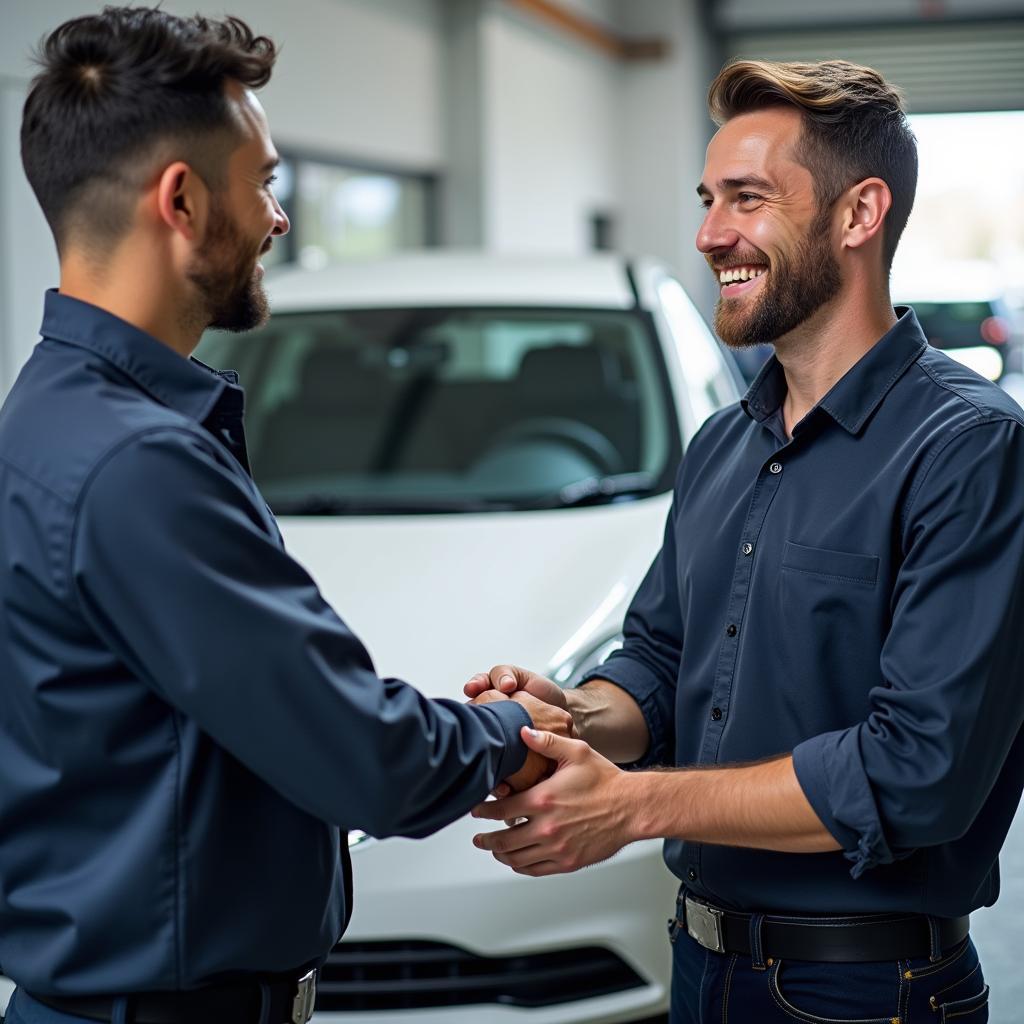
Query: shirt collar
(856, 395)
(185, 385)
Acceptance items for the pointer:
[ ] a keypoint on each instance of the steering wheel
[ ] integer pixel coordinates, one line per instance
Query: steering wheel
(581, 437)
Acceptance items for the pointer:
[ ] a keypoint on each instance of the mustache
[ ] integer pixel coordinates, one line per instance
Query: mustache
(754, 258)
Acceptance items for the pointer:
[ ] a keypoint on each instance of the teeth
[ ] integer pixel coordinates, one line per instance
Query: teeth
(740, 274)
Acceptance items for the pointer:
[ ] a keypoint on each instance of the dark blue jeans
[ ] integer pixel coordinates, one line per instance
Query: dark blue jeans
(723, 988)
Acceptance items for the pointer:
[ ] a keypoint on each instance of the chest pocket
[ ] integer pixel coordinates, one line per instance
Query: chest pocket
(842, 566)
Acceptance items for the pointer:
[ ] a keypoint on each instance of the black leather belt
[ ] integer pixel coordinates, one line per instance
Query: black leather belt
(848, 938)
(291, 1002)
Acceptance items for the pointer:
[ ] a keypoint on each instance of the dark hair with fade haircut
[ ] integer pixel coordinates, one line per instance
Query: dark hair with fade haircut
(854, 127)
(118, 90)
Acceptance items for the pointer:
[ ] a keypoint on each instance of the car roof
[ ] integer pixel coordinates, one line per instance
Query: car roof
(457, 278)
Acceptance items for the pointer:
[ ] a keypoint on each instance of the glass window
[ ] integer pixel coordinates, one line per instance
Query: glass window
(340, 212)
(344, 214)
(453, 409)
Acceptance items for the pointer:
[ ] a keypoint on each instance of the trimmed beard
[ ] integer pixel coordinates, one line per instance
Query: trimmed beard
(224, 272)
(793, 292)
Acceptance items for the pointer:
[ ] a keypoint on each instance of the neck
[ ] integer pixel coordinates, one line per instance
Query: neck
(135, 285)
(826, 346)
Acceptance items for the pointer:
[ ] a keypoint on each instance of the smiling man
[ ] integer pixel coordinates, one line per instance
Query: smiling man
(187, 728)
(828, 647)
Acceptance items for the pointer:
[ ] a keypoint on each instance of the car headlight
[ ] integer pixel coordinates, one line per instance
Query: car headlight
(572, 670)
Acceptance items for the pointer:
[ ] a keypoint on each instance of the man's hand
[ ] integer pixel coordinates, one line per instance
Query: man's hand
(581, 815)
(509, 679)
(544, 716)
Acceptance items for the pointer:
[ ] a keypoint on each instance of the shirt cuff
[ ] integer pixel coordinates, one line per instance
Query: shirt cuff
(655, 700)
(512, 716)
(831, 773)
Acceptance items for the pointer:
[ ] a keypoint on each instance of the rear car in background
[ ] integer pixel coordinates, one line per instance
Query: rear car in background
(474, 457)
(963, 310)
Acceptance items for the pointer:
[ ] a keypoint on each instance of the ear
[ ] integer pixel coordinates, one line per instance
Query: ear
(182, 200)
(864, 208)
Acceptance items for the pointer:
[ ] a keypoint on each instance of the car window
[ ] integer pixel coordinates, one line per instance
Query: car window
(452, 409)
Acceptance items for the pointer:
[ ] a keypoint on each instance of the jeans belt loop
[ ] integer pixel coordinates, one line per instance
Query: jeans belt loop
(675, 924)
(934, 942)
(757, 942)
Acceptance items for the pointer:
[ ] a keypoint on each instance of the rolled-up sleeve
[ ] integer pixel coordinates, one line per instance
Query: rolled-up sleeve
(647, 665)
(919, 769)
(188, 585)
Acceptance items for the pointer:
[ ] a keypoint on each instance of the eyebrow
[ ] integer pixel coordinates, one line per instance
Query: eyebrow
(270, 165)
(735, 184)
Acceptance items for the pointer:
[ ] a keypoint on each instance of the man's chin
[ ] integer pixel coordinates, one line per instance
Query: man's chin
(734, 331)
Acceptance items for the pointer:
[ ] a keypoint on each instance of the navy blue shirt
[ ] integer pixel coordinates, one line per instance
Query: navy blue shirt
(185, 725)
(852, 595)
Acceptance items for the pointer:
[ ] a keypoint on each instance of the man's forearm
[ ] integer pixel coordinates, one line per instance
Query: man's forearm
(761, 806)
(608, 718)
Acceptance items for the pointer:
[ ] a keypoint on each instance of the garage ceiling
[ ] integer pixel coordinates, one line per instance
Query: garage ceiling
(946, 55)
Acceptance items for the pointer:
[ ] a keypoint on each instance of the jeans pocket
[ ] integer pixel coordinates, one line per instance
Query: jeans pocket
(819, 993)
(972, 1010)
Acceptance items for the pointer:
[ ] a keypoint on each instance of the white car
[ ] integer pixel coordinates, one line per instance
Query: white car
(474, 457)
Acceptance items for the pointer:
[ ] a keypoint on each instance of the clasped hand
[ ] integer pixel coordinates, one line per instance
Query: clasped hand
(575, 811)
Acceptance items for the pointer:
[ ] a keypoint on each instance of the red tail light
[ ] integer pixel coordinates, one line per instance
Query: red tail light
(995, 330)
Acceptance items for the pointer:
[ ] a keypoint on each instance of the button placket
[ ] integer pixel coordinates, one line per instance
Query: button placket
(765, 489)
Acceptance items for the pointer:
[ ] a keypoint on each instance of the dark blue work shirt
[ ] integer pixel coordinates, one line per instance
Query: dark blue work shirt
(853, 595)
(185, 725)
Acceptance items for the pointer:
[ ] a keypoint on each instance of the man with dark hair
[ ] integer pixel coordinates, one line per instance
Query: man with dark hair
(829, 644)
(186, 726)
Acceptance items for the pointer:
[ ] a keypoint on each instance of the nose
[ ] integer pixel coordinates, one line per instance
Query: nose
(716, 232)
(281, 223)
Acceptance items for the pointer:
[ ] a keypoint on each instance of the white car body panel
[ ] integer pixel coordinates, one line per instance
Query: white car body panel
(439, 598)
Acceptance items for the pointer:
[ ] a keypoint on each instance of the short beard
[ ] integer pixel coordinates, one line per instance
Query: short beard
(224, 273)
(794, 291)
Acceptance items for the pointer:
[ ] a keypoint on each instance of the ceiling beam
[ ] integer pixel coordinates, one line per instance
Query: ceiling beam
(590, 33)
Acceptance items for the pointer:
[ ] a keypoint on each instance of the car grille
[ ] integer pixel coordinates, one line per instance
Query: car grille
(412, 975)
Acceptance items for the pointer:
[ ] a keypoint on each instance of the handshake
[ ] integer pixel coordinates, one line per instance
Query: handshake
(568, 806)
(543, 700)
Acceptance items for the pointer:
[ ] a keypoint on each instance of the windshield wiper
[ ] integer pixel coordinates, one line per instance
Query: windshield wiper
(599, 490)
(333, 505)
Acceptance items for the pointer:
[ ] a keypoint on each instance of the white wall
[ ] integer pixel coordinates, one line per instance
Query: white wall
(550, 130)
(665, 131)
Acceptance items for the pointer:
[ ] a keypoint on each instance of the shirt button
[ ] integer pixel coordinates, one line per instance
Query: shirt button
(748, 549)
(775, 467)
(692, 874)
(716, 714)
(731, 630)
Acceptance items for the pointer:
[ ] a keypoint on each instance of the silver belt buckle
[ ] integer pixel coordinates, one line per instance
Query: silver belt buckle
(305, 998)
(704, 925)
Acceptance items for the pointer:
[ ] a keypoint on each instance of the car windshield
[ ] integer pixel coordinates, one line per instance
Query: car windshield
(435, 410)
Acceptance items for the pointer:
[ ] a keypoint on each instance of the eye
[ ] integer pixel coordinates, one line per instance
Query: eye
(748, 197)
(270, 181)
(705, 202)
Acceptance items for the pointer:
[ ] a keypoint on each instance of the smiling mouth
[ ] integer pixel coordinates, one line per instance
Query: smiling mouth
(735, 281)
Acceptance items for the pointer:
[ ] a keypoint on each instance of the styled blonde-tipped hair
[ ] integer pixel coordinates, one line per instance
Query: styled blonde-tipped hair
(854, 126)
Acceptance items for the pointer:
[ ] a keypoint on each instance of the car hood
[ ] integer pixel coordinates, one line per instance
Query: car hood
(437, 598)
